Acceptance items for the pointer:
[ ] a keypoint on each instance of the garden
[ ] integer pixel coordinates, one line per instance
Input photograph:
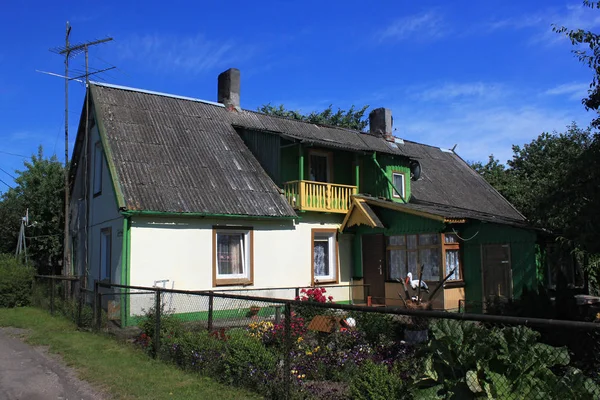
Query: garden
(328, 353)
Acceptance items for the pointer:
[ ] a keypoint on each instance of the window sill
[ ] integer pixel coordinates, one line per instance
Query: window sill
(234, 282)
(325, 282)
(454, 284)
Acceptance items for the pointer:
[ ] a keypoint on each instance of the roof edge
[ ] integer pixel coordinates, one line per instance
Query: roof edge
(150, 213)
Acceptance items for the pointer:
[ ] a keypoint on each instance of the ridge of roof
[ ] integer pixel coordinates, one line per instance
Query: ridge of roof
(174, 96)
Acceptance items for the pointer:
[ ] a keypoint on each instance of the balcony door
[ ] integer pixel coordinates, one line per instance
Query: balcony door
(319, 166)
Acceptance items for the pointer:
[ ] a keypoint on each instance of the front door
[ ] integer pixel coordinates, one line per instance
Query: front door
(373, 257)
(496, 269)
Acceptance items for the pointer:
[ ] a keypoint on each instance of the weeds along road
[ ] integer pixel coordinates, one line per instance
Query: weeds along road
(28, 372)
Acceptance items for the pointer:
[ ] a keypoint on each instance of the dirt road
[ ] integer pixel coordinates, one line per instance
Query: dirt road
(27, 373)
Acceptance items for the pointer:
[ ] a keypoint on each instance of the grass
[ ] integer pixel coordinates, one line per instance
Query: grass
(113, 367)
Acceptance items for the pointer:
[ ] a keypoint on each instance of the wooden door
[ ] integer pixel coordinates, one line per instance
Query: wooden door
(496, 269)
(373, 257)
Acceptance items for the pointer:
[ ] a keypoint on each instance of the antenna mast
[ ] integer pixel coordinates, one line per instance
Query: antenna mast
(69, 51)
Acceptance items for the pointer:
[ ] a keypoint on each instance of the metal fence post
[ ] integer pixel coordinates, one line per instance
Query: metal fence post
(80, 302)
(210, 311)
(157, 312)
(297, 293)
(52, 290)
(95, 303)
(288, 349)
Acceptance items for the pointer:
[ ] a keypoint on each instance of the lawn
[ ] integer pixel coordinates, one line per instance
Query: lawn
(113, 367)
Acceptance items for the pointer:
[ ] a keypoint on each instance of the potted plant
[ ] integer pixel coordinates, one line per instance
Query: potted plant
(253, 311)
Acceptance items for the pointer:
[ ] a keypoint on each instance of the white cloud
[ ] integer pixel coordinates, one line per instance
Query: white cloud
(574, 90)
(456, 91)
(193, 54)
(428, 25)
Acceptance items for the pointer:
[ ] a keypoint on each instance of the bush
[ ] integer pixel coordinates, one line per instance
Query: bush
(376, 327)
(170, 327)
(200, 352)
(247, 361)
(15, 282)
(376, 382)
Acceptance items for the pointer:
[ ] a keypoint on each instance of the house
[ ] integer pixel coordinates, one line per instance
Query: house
(207, 196)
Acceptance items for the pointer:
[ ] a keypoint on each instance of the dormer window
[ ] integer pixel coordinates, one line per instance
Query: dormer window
(399, 181)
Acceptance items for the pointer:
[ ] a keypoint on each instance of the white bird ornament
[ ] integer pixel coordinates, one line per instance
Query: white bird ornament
(415, 283)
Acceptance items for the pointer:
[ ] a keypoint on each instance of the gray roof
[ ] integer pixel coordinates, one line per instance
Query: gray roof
(177, 154)
(449, 185)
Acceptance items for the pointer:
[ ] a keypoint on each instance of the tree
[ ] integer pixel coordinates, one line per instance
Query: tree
(351, 119)
(497, 175)
(39, 188)
(588, 52)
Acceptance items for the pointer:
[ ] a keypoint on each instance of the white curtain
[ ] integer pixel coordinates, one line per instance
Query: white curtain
(321, 258)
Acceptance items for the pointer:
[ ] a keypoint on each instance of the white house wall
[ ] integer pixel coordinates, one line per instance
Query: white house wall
(179, 250)
(103, 213)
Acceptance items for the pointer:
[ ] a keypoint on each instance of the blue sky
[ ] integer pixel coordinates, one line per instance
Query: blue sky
(481, 75)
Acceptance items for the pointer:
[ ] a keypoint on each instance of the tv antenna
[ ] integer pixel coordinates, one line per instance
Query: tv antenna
(21, 243)
(69, 51)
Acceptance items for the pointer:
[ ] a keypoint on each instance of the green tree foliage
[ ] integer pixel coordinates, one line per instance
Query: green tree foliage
(587, 50)
(39, 188)
(553, 181)
(351, 119)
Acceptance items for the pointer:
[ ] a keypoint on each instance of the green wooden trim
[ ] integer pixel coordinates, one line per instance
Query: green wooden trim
(125, 262)
(357, 173)
(198, 214)
(374, 158)
(300, 162)
(108, 156)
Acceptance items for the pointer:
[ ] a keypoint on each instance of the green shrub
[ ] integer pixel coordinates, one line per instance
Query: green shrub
(15, 282)
(468, 360)
(376, 382)
(247, 361)
(170, 327)
(376, 327)
(195, 351)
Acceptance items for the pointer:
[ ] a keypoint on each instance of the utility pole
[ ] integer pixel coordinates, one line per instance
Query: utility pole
(69, 51)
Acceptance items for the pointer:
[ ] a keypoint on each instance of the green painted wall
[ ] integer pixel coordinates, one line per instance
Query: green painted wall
(396, 223)
(289, 162)
(522, 254)
(373, 181)
(265, 147)
(343, 168)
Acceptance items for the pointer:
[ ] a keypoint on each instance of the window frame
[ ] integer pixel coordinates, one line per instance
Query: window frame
(416, 250)
(98, 169)
(333, 264)
(105, 233)
(322, 153)
(394, 194)
(248, 279)
(455, 246)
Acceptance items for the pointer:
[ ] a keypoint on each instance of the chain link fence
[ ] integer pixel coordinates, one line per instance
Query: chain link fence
(312, 347)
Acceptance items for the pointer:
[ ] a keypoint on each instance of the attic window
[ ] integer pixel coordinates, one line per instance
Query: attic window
(98, 162)
(399, 183)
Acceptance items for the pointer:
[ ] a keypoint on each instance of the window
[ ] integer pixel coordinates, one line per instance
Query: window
(407, 253)
(105, 254)
(324, 255)
(319, 166)
(452, 257)
(232, 256)
(98, 164)
(398, 180)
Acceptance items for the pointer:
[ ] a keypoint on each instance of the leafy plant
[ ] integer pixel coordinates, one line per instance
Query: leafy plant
(467, 360)
(15, 282)
(170, 326)
(376, 382)
(376, 327)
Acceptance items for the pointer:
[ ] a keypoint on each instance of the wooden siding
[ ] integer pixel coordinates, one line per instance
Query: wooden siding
(319, 196)
(265, 147)
(522, 256)
(375, 183)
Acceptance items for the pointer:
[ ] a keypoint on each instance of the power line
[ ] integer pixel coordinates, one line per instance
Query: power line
(13, 154)
(7, 173)
(6, 184)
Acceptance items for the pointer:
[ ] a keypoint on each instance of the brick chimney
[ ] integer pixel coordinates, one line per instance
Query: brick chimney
(229, 88)
(380, 123)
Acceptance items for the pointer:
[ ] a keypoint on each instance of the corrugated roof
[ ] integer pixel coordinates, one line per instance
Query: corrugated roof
(176, 155)
(181, 154)
(448, 182)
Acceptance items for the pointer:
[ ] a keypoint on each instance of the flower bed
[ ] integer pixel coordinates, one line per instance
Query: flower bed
(369, 358)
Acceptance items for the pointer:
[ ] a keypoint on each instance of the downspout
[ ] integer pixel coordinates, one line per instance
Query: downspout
(125, 258)
(387, 177)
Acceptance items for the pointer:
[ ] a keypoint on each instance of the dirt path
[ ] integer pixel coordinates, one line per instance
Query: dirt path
(28, 372)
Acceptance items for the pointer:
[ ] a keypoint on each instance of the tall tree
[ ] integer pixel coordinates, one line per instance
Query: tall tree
(39, 189)
(587, 50)
(351, 118)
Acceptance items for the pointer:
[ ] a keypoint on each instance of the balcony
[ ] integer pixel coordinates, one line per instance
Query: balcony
(319, 196)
